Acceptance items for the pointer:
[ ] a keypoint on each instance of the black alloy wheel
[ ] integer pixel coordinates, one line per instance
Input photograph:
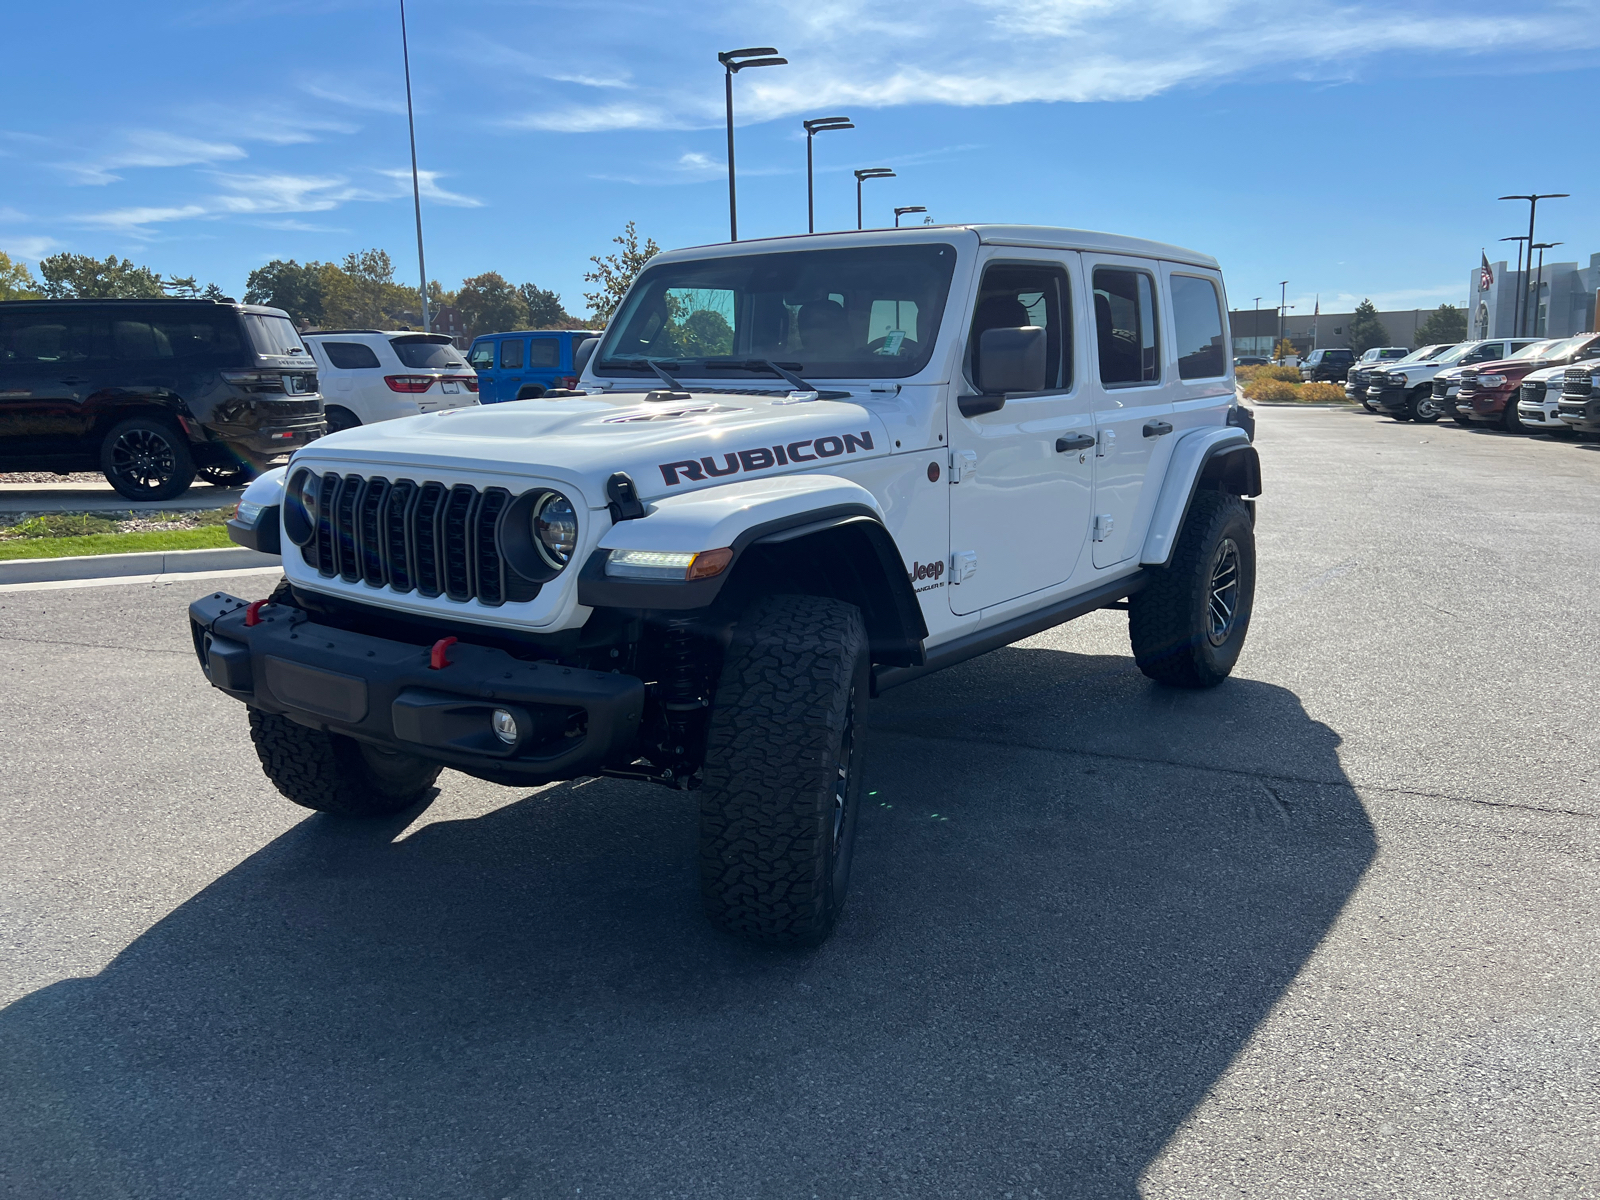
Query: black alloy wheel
(146, 460)
(1222, 607)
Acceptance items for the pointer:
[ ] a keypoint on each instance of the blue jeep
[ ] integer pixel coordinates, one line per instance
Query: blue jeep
(525, 365)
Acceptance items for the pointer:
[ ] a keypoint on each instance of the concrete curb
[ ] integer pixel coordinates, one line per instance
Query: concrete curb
(151, 562)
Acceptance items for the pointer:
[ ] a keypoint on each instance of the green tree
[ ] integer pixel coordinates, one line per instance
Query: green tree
(489, 304)
(615, 273)
(1366, 331)
(184, 287)
(80, 277)
(16, 281)
(360, 293)
(285, 284)
(545, 310)
(1447, 323)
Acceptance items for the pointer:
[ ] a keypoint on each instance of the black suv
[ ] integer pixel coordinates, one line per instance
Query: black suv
(1328, 365)
(152, 391)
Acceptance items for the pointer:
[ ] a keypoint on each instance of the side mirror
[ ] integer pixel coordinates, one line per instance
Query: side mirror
(582, 355)
(1010, 360)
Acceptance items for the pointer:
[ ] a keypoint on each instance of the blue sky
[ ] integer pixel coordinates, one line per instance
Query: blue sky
(1355, 149)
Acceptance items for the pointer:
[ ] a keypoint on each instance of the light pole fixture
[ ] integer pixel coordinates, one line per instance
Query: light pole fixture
(1516, 300)
(1538, 288)
(1533, 199)
(1283, 308)
(735, 61)
(813, 127)
(868, 173)
(416, 187)
(909, 208)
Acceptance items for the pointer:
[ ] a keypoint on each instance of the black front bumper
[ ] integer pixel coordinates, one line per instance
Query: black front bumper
(1389, 399)
(1582, 413)
(571, 722)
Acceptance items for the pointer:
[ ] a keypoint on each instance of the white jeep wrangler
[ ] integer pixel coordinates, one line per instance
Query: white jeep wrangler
(795, 473)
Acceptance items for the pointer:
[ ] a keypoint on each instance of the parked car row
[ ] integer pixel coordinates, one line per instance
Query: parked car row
(1521, 385)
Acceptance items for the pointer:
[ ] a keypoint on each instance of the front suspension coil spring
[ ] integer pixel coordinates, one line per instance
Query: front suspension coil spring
(685, 672)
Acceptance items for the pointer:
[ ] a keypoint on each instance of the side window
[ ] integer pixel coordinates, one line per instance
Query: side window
(350, 356)
(1125, 326)
(1197, 326)
(198, 338)
(35, 338)
(511, 353)
(1017, 294)
(482, 356)
(544, 352)
(1485, 353)
(139, 341)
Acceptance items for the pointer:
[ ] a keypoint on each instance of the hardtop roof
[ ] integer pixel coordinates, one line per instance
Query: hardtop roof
(1042, 236)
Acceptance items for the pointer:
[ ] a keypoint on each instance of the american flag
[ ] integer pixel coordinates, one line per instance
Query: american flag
(1485, 275)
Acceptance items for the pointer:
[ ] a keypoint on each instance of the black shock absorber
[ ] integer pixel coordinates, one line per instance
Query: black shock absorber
(684, 686)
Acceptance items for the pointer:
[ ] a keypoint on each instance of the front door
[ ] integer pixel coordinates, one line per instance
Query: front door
(1132, 402)
(1020, 477)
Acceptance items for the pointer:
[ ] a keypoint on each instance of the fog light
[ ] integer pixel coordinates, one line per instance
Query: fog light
(505, 726)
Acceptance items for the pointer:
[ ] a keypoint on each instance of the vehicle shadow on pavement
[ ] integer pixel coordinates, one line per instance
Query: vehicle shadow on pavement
(1076, 896)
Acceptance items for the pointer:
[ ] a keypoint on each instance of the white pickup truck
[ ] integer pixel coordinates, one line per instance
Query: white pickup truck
(795, 473)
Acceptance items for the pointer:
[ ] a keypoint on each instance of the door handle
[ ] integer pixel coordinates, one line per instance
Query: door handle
(1157, 428)
(1078, 441)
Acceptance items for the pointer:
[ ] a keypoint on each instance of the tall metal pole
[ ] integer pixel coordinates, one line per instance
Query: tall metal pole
(858, 202)
(1533, 207)
(1283, 300)
(416, 187)
(1255, 322)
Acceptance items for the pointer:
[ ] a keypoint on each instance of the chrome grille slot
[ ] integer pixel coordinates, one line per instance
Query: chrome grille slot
(426, 537)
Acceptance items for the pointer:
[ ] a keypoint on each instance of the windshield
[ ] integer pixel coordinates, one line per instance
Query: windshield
(425, 351)
(1454, 354)
(272, 334)
(1564, 348)
(1536, 350)
(871, 312)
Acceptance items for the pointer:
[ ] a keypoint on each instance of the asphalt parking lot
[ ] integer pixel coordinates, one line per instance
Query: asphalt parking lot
(1332, 930)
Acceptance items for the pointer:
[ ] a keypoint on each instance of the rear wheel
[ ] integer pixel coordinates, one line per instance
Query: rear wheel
(146, 459)
(782, 775)
(1189, 622)
(530, 393)
(334, 774)
(340, 418)
(227, 475)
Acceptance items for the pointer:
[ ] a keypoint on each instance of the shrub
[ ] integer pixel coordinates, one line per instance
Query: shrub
(1243, 375)
(1268, 389)
(1320, 393)
(1287, 374)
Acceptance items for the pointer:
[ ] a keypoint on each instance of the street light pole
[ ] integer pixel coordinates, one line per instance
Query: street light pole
(1255, 321)
(1538, 288)
(1283, 304)
(909, 208)
(416, 187)
(814, 127)
(868, 173)
(735, 61)
(1516, 300)
(1533, 199)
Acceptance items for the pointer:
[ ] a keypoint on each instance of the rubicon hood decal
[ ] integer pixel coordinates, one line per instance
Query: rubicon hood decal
(762, 457)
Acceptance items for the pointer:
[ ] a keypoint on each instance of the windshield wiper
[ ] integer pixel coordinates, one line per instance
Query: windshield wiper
(763, 364)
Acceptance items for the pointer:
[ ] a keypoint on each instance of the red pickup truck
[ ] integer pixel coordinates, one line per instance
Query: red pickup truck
(1488, 393)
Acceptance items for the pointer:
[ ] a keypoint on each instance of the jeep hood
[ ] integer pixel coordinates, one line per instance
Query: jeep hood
(667, 446)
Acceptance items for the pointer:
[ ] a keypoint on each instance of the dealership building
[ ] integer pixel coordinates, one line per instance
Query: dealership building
(1255, 331)
(1560, 302)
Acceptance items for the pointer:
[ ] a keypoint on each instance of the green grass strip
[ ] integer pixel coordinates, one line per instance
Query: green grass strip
(115, 543)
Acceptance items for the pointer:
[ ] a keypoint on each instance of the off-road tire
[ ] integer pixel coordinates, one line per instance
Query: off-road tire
(1170, 620)
(147, 459)
(530, 393)
(335, 774)
(777, 827)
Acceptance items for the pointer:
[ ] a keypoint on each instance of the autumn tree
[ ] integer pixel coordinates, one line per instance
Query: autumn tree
(489, 304)
(80, 277)
(16, 281)
(615, 273)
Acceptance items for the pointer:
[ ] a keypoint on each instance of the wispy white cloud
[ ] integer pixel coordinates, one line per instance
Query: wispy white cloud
(11, 215)
(994, 52)
(353, 95)
(428, 185)
(133, 220)
(29, 247)
(150, 148)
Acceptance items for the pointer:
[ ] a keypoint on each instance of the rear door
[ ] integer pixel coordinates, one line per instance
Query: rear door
(509, 364)
(46, 360)
(1020, 482)
(1133, 392)
(544, 361)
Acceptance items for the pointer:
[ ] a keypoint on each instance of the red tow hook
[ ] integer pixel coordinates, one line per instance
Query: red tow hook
(252, 613)
(436, 657)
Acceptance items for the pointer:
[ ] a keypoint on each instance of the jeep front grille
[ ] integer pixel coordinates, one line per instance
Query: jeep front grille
(406, 536)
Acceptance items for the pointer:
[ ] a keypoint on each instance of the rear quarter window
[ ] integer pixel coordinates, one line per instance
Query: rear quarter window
(350, 356)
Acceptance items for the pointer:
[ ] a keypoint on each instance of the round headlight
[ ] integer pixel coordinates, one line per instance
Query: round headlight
(555, 529)
(300, 507)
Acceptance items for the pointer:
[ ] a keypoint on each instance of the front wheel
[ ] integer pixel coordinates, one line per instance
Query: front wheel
(334, 774)
(1423, 408)
(1189, 622)
(340, 418)
(229, 475)
(1462, 421)
(782, 777)
(1511, 419)
(1368, 405)
(146, 459)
